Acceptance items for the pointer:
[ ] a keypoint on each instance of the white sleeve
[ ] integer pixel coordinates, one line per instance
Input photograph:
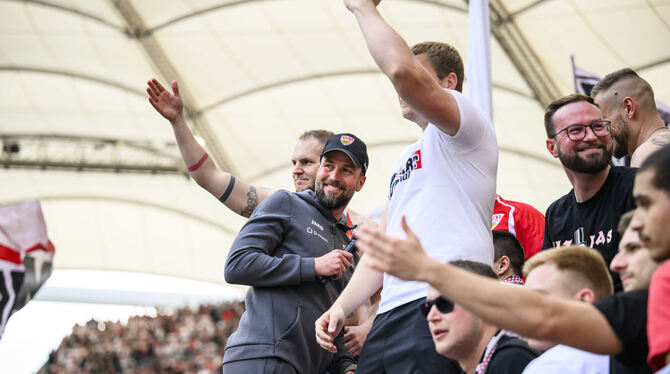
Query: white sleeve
(540, 366)
(474, 127)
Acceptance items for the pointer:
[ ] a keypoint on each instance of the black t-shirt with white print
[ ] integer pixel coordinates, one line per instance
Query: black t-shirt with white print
(592, 223)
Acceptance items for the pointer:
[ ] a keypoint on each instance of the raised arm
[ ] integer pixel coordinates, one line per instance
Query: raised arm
(414, 84)
(242, 198)
(529, 313)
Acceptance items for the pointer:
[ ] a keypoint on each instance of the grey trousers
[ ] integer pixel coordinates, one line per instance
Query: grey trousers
(269, 365)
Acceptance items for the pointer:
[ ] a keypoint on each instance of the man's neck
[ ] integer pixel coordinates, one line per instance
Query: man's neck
(648, 129)
(469, 364)
(337, 213)
(586, 185)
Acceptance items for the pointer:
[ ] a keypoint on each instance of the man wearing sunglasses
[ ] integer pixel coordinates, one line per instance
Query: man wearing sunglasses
(588, 215)
(478, 347)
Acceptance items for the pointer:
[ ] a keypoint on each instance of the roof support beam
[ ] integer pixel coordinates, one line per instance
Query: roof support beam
(163, 65)
(513, 42)
(63, 152)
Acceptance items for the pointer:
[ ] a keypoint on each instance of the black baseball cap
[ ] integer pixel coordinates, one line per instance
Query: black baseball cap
(352, 146)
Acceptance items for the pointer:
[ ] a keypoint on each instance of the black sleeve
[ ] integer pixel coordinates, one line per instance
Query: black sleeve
(546, 242)
(511, 357)
(629, 202)
(252, 261)
(342, 358)
(627, 315)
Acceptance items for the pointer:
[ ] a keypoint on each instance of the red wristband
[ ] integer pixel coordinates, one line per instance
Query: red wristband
(198, 164)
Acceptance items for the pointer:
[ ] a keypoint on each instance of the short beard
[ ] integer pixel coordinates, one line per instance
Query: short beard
(621, 136)
(586, 166)
(331, 202)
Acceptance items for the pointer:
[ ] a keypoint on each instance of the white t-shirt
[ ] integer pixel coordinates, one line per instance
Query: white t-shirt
(565, 360)
(445, 186)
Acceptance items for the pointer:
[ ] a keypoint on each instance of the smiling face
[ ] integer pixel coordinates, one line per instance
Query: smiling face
(305, 161)
(633, 262)
(652, 216)
(590, 155)
(337, 180)
(455, 334)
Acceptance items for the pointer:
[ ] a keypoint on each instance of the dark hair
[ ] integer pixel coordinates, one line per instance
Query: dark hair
(475, 267)
(624, 221)
(320, 135)
(616, 76)
(506, 244)
(558, 104)
(659, 163)
(444, 58)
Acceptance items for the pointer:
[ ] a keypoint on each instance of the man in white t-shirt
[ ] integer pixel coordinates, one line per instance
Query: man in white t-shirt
(444, 185)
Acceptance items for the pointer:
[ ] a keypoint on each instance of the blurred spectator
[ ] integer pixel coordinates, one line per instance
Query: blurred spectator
(522, 220)
(183, 341)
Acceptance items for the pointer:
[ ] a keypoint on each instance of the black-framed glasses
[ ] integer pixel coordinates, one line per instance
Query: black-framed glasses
(443, 306)
(578, 131)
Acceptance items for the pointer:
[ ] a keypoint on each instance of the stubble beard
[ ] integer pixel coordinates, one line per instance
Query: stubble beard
(621, 137)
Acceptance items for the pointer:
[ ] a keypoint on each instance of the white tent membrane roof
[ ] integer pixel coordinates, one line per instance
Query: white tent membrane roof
(255, 75)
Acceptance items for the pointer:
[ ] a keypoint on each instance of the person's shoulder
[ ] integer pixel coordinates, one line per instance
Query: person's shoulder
(561, 203)
(651, 145)
(620, 301)
(277, 202)
(623, 172)
(511, 353)
(512, 342)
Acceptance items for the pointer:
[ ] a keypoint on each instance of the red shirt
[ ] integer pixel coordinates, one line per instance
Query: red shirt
(658, 317)
(522, 220)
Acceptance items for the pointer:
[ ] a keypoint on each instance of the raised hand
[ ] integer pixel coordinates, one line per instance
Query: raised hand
(169, 105)
(334, 263)
(328, 326)
(403, 258)
(352, 5)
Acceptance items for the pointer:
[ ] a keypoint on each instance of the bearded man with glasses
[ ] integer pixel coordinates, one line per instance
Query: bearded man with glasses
(588, 215)
(478, 347)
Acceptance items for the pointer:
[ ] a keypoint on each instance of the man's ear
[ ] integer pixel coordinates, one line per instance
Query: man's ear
(450, 81)
(551, 147)
(628, 107)
(586, 295)
(360, 183)
(502, 265)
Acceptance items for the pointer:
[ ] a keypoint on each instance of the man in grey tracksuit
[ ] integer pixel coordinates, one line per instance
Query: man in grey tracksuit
(292, 241)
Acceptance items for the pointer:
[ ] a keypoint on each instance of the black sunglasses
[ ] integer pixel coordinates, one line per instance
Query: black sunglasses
(443, 306)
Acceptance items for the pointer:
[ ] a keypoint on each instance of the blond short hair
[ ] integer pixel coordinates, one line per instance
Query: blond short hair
(586, 264)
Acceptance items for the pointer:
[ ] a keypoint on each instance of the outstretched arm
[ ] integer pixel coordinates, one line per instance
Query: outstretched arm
(523, 311)
(243, 197)
(416, 86)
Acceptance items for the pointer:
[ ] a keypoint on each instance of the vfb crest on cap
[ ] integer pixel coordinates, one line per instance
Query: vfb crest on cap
(346, 140)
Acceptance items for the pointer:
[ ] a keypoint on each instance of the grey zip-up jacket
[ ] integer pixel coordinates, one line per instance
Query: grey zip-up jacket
(274, 254)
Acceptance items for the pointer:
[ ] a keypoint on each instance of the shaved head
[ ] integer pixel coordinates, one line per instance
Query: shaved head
(615, 86)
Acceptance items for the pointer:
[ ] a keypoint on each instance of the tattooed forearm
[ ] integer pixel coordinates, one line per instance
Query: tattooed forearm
(252, 202)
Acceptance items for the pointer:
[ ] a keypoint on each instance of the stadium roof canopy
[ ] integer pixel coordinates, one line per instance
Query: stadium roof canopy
(79, 135)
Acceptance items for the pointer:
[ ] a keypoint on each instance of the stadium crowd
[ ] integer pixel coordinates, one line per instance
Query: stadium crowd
(184, 341)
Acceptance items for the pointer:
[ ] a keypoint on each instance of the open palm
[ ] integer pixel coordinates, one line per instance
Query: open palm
(168, 104)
